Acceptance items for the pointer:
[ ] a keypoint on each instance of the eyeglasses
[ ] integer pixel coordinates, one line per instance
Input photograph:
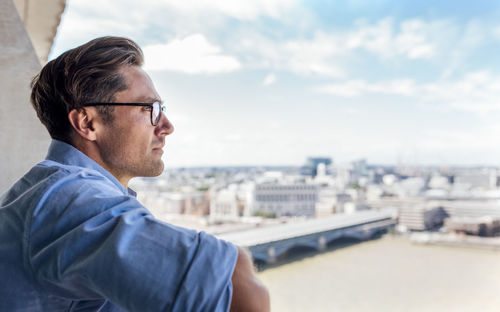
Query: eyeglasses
(155, 108)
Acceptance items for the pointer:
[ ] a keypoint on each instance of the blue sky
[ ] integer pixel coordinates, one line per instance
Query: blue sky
(254, 82)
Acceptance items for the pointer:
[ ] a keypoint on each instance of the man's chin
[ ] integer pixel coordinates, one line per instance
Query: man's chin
(155, 169)
(158, 169)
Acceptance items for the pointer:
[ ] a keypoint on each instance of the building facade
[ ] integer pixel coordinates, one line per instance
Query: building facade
(286, 199)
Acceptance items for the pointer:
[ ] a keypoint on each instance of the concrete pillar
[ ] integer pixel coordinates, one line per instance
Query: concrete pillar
(23, 139)
(322, 242)
(41, 18)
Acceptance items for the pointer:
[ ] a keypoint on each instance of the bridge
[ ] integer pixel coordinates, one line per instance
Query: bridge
(268, 243)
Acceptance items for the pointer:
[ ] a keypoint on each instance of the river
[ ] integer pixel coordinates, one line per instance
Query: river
(386, 274)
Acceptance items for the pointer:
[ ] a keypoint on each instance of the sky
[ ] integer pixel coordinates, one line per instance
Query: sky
(271, 82)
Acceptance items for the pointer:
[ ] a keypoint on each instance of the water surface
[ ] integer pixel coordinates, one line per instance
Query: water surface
(387, 274)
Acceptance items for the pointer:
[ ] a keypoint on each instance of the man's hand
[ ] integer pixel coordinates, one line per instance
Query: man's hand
(249, 294)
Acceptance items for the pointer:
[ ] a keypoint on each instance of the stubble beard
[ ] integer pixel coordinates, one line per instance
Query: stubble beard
(152, 168)
(126, 165)
(122, 162)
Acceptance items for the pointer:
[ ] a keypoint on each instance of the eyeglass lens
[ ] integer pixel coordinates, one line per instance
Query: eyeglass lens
(156, 113)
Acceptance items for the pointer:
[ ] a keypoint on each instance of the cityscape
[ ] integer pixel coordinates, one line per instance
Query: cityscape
(446, 202)
(323, 235)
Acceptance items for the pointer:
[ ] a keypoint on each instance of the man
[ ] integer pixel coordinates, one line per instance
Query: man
(72, 235)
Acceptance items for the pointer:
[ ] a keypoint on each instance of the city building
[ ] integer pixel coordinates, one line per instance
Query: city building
(280, 200)
(311, 166)
(422, 218)
(327, 201)
(479, 226)
(224, 205)
(486, 178)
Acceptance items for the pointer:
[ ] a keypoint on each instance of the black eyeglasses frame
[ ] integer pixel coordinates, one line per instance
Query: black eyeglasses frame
(154, 123)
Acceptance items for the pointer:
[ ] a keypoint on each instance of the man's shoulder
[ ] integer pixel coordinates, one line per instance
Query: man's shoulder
(51, 187)
(56, 176)
(65, 183)
(49, 176)
(69, 196)
(52, 167)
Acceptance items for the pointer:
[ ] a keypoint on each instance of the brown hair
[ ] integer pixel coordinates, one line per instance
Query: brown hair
(88, 73)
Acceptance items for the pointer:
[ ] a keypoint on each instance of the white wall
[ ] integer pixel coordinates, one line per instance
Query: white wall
(23, 139)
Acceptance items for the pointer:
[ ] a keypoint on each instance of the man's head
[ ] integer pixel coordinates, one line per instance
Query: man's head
(120, 138)
(88, 73)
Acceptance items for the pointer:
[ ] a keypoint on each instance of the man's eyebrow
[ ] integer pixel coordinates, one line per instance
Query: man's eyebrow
(148, 99)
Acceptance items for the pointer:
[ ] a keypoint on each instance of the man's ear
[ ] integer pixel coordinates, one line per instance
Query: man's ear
(82, 122)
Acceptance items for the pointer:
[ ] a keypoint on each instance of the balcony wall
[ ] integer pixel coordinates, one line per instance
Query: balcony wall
(23, 140)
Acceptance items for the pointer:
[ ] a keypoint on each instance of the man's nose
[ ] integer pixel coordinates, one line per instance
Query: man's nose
(164, 126)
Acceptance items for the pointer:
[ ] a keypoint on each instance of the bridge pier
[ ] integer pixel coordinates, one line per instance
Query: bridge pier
(321, 242)
(271, 255)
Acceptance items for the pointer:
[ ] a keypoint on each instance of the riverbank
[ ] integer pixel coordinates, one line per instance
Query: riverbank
(456, 240)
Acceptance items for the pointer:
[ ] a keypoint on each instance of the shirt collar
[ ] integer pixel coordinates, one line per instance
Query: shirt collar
(66, 154)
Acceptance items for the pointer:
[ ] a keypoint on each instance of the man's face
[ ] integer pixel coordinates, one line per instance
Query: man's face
(130, 146)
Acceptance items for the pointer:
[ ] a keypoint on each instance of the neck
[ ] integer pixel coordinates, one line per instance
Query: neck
(90, 149)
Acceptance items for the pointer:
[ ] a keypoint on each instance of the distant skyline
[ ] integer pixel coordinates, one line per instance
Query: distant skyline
(271, 82)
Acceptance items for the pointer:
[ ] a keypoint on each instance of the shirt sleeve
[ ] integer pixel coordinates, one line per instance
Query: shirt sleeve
(86, 240)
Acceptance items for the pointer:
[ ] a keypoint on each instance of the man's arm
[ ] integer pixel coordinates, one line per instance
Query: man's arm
(249, 294)
(88, 240)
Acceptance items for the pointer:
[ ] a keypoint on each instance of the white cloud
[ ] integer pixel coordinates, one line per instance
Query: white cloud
(496, 32)
(475, 92)
(233, 137)
(192, 54)
(241, 9)
(86, 19)
(415, 39)
(327, 54)
(477, 145)
(304, 57)
(412, 38)
(314, 56)
(375, 38)
(354, 88)
(439, 140)
(269, 80)
(473, 35)
(330, 53)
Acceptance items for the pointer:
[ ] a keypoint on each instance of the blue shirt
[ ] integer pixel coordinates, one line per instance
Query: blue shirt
(72, 238)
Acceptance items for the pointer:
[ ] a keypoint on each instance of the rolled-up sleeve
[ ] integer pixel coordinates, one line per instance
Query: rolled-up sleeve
(87, 240)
